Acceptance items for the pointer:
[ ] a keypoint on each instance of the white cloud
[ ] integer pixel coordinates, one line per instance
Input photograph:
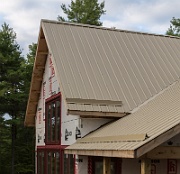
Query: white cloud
(24, 17)
(141, 15)
(147, 16)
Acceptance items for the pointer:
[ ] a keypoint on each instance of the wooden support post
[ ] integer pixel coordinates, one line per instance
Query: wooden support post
(145, 166)
(106, 165)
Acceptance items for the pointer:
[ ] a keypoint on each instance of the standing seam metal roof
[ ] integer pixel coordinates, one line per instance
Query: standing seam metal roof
(105, 64)
(153, 119)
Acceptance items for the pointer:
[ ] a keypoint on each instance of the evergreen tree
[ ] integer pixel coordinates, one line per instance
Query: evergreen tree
(10, 81)
(27, 67)
(5, 146)
(83, 11)
(25, 140)
(174, 28)
(16, 141)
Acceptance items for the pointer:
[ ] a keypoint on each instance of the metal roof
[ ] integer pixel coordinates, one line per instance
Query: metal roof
(97, 63)
(106, 64)
(153, 123)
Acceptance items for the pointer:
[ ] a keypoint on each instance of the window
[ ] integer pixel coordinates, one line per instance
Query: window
(40, 162)
(54, 161)
(51, 158)
(69, 162)
(52, 120)
(97, 165)
(48, 161)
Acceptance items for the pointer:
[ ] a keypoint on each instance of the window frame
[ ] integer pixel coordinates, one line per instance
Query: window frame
(49, 101)
(49, 148)
(46, 150)
(93, 159)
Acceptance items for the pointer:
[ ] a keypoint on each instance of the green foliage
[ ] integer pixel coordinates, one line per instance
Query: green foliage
(27, 67)
(83, 11)
(16, 141)
(10, 72)
(24, 149)
(174, 28)
(5, 146)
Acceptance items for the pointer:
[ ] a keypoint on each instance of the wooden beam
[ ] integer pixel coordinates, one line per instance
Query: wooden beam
(40, 67)
(145, 166)
(157, 141)
(43, 52)
(165, 152)
(31, 114)
(35, 91)
(106, 165)
(105, 153)
(33, 102)
(37, 78)
(29, 124)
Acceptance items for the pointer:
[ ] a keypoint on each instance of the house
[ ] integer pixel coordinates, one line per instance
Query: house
(105, 101)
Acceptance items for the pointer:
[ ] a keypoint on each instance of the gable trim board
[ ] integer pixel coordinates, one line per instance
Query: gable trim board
(138, 133)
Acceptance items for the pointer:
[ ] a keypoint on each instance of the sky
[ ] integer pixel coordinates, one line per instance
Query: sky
(151, 16)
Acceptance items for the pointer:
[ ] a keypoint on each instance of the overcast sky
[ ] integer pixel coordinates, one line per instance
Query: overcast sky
(152, 16)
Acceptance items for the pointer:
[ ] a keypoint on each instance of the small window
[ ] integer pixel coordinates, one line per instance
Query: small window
(52, 119)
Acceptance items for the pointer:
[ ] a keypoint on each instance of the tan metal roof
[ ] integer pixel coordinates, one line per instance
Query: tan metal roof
(105, 64)
(137, 133)
(96, 63)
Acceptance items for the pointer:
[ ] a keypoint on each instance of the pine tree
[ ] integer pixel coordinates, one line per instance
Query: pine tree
(83, 11)
(174, 28)
(16, 141)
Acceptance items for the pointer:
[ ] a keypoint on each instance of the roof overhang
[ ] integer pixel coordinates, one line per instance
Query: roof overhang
(105, 153)
(36, 80)
(143, 147)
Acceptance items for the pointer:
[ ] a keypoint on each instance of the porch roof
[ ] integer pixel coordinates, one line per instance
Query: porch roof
(136, 134)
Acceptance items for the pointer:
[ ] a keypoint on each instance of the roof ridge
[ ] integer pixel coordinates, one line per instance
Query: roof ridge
(106, 28)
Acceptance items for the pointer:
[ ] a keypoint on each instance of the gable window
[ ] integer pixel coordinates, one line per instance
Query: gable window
(53, 120)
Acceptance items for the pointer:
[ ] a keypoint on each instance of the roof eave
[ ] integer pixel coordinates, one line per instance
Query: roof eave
(36, 80)
(105, 153)
(150, 145)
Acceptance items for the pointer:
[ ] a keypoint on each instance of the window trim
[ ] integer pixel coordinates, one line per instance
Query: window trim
(47, 101)
(93, 159)
(50, 148)
(46, 150)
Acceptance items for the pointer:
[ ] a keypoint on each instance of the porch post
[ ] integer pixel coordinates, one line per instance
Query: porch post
(106, 165)
(145, 166)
